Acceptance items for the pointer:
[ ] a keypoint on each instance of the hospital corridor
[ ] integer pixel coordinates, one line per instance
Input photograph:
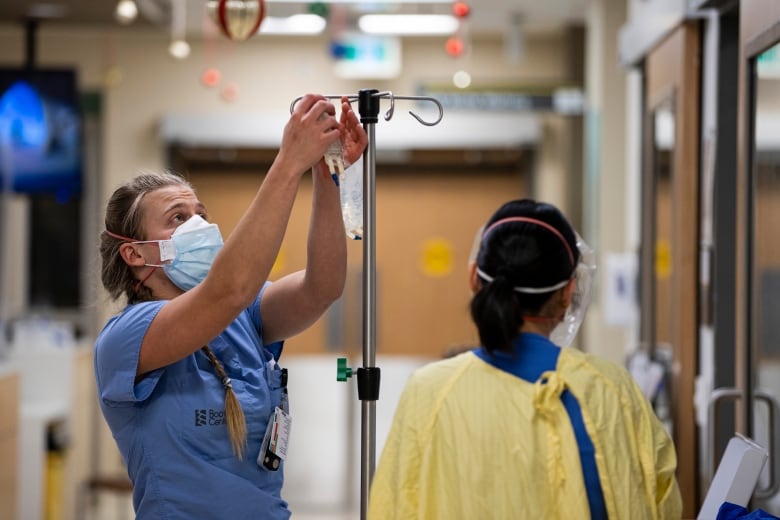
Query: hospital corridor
(247, 247)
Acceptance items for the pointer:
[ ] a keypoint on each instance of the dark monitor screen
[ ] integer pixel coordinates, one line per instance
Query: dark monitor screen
(40, 132)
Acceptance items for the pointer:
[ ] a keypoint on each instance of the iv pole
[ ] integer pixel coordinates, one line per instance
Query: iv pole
(368, 375)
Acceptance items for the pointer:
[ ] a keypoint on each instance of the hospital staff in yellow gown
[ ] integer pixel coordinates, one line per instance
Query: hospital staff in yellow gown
(471, 441)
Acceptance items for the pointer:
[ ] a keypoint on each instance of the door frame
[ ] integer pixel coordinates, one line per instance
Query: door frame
(672, 69)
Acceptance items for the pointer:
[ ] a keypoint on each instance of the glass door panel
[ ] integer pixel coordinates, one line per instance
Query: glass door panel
(764, 267)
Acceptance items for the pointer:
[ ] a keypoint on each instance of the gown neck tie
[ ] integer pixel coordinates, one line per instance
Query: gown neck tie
(546, 400)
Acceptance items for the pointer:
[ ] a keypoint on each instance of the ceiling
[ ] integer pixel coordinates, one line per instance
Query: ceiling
(487, 16)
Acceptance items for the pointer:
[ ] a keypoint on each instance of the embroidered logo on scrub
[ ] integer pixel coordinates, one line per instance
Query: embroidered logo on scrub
(209, 417)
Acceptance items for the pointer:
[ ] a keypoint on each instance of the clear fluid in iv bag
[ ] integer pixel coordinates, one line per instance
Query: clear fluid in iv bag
(351, 189)
(350, 182)
(352, 211)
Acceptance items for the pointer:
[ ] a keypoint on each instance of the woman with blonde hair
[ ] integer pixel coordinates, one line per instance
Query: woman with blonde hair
(188, 372)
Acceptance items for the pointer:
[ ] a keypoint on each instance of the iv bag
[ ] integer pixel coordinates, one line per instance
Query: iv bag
(351, 190)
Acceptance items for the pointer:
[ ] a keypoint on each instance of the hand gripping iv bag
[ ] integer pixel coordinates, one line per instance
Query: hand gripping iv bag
(349, 179)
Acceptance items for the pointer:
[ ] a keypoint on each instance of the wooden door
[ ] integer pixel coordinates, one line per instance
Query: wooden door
(669, 256)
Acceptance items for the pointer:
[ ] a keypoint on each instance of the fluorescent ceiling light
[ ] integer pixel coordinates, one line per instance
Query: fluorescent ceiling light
(408, 24)
(363, 2)
(296, 24)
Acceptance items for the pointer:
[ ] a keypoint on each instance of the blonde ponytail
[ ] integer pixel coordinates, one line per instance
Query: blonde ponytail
(236, 422)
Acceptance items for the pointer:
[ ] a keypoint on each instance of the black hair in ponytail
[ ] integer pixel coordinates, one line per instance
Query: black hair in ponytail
(519, 254)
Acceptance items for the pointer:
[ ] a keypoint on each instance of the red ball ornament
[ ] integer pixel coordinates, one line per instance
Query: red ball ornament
(211, 77)
(237, 19)
(461, 9)
(454, 46)
(229, 92)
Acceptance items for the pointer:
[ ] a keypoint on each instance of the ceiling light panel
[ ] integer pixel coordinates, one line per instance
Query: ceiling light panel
(297, 24)
(408, 24)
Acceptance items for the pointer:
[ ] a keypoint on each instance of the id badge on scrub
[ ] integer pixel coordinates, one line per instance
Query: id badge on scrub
(275, 441)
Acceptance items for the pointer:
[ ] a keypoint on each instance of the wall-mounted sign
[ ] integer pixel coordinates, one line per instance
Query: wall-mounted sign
(436, 258)
(360, 56)
(663, 259)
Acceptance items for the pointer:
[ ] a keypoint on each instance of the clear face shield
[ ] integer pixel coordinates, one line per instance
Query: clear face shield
(564, 333)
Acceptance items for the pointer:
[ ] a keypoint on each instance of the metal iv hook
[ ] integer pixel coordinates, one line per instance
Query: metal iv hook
(390, 111)
(352, 99)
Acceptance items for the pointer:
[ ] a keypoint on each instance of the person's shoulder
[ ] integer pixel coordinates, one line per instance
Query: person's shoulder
(437, 373)
(136, 310)
(432, 386)
(448, 364)
(597, 365)
(130, 317)
(598, 380)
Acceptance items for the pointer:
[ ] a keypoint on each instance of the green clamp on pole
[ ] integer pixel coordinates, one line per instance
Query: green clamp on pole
(343, 372)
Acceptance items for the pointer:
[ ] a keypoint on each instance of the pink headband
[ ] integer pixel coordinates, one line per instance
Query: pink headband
(531, 221)
(128, 239)
(118, 237)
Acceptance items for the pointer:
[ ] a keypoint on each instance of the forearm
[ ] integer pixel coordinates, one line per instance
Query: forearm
(191, 319)
(326, 257)
(294, 302)
(247, 257)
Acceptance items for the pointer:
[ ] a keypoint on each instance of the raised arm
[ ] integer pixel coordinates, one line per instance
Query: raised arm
(294, 302)
(191, 319)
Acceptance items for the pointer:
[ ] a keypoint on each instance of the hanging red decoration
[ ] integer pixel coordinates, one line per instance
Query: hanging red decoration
(461, 9)
(229, 92)
(454, 46)
(211, 77)
(237, 19)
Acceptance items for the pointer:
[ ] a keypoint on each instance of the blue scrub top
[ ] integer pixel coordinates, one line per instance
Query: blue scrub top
(170, 426)
(531, 356)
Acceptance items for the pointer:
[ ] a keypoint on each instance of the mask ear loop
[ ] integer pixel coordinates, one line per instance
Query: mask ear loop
(143, 280)
(133, 241)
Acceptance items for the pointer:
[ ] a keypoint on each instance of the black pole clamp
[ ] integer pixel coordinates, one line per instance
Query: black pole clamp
(368, 383)
(368, 105)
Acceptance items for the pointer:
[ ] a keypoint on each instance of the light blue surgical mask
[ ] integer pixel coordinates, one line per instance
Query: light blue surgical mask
(187, 257)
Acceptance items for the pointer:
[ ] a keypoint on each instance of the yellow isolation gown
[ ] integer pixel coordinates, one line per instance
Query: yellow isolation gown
(470, 441)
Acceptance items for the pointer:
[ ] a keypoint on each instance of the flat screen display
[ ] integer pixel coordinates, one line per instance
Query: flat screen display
(40, 132)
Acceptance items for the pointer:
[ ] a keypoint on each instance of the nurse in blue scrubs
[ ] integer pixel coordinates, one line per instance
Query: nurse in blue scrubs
(188, 372)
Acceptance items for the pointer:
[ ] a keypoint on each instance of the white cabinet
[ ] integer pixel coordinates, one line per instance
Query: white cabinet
(46, 381)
